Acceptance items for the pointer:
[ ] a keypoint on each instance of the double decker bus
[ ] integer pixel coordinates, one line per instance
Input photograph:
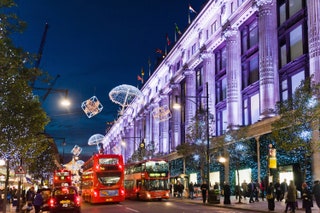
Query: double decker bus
(62, 177)
(147, 180)
(102, 179)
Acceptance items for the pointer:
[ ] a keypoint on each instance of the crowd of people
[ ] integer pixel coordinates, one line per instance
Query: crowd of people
(256, 190)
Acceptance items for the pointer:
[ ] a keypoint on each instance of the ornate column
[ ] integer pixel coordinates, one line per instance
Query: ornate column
(268, 57)
(190, 106)
(176, 118)
(164, 127)
(314, 63)
(313, 7)
(233, 69)
(155, 132)
(209, 76)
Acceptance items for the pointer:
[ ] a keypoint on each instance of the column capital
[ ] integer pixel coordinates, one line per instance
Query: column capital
(261, 3)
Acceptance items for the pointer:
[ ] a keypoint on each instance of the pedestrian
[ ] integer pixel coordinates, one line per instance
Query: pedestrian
(30, 195)
(307, 201)
(180, 189)
(204, 187)
(251, 191)
(270, 196)
(316, 192)
(227, 193)
(291, 197)
(191, 190)
(257, 191)
(244, 187)
(238, 192)
(262, 189)
(278, 190)
(284, 189)
(38, 201)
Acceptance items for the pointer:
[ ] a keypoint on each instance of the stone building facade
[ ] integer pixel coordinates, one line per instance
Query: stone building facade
(251, 54)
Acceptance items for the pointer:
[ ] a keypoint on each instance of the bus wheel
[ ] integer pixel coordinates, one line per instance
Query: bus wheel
(159, 199)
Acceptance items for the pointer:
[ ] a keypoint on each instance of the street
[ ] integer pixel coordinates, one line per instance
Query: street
(170, 206)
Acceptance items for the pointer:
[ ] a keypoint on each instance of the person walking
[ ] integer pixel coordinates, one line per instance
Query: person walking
(307, 201)
(262, 189)
(316, 192)
(204, 187)
(291, 197)
(38, 201)
(191, 190)
(270, 195)
(251, 190)
(30, 196)
(278, 190)
(244, 187)
(284, 189)
(227, 193)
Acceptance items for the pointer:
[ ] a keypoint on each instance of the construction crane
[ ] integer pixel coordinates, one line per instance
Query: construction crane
(40, 51)
(37, 64)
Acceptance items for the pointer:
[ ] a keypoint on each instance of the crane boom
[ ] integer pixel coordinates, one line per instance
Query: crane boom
(40, 51)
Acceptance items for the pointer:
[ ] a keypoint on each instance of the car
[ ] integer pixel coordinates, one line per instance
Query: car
(65, 199)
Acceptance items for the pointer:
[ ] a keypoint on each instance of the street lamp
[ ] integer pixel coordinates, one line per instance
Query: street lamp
(177, 106)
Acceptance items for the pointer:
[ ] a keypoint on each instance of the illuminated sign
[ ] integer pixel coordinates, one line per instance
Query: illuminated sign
(156, 174)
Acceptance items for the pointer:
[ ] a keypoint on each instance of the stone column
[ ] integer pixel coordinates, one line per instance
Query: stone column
(164, 127)
(155, 132)
(233, 69)
(190, 101)
(314, 37)
(313, 7)
(176, 118)
(209, 76)
(268, 57)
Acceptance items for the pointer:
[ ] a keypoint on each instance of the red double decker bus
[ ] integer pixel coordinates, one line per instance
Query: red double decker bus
(102, 179)
(147, 180)
(62, 177)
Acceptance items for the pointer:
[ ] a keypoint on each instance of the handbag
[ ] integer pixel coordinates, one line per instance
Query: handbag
(269, 196)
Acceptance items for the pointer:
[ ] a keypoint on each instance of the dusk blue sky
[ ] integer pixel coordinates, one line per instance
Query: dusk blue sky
(95, 46)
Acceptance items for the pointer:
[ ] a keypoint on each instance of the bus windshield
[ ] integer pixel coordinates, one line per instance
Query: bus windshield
(157, 166)
(152, 185)
(109, 178)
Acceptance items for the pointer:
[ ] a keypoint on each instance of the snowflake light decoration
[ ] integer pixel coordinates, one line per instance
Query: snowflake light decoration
(91, 106)
(161, 113)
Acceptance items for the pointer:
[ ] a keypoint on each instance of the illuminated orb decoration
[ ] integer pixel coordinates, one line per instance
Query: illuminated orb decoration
(92, 106)
(95, 139)
(76, 150)
(123, 95)
(162, 113)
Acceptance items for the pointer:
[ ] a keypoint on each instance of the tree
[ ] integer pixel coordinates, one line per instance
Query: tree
(21, 115)
(196, 141)
(299, 117)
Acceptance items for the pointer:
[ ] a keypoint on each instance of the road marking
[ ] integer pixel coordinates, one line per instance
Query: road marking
(133, 210)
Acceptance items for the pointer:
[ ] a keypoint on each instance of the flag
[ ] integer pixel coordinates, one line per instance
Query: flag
(158, 51)
(140, 79)
(177, 29)
(191, 10)
(168, 40)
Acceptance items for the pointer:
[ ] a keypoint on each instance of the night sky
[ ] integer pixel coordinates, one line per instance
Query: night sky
(94, 46)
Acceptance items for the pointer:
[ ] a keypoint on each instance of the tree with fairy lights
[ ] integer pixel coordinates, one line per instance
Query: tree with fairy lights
(22, 117)
(299, 118)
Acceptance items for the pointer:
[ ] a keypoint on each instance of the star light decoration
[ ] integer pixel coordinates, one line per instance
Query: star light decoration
(92, 106)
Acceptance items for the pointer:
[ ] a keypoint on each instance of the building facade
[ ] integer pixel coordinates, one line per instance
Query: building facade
(250, 54)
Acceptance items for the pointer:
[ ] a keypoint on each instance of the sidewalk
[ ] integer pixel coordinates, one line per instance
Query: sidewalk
(261, 206)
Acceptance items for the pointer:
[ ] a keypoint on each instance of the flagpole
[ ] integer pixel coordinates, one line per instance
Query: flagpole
(189, 21)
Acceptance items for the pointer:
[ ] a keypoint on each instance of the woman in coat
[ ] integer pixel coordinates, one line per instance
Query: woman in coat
(307, 201)
(270, 196)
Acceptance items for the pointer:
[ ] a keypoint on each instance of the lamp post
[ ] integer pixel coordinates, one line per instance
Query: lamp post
(207, 130)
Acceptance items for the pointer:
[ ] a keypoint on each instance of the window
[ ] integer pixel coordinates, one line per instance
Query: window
(221, 89)
(251, 109)
(293, 45)
(288, 9)
(221, 120)
(220, 60)
(250, 51)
